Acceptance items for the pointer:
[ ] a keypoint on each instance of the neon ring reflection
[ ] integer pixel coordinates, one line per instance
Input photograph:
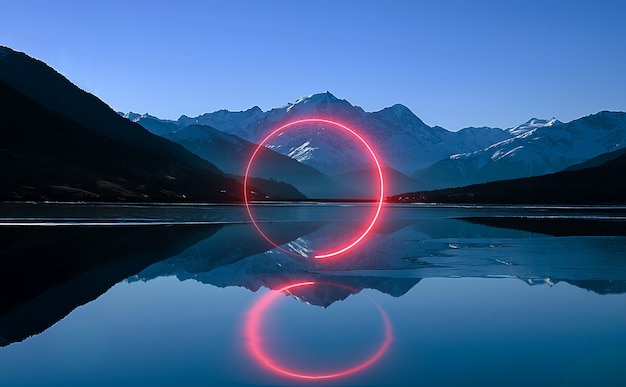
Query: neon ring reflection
(380, 180)
(252, 331)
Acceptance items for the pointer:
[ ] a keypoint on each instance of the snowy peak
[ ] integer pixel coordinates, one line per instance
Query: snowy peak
(399, 113)
(533, 123)
(135, 117)
(315, 100)
(401, 119)
(325, 97)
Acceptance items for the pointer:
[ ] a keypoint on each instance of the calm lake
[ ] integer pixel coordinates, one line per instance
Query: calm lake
(197, 295)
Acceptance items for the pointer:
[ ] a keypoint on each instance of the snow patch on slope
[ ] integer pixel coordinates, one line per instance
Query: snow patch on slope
(500, 154)
(302, 153)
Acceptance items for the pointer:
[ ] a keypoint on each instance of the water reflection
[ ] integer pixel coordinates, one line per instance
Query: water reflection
(401, 251)
(258, 328)
(49, 271)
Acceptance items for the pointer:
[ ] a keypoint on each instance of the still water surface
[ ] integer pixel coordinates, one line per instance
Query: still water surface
(192, 295)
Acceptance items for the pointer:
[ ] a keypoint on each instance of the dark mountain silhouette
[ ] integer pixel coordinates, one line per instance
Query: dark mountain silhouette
(49, 271)
(53, 91)
(603, 184)
(47, 156)
(58, 142)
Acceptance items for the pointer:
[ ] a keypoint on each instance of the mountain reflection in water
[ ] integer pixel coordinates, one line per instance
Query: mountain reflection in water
(50, 271)
(402, 250)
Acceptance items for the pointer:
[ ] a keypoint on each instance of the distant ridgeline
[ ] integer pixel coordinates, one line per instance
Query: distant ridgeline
(417, 157)
(601, 180)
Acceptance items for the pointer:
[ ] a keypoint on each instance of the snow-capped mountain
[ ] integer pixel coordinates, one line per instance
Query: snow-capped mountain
(533, 123)
(400, 138)
(540, 147)
(433, 156)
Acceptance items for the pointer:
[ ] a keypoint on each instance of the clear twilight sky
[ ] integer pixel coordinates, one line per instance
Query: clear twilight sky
(453, 63)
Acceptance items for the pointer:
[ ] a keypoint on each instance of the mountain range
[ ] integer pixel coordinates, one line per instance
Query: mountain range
(416, 156)
(394, 132)
(538, 148)
(62, 143)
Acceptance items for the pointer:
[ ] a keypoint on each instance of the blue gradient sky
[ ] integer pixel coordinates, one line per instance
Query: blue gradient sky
(453, 63)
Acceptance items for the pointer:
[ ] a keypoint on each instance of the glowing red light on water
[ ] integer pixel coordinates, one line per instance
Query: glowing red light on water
(255, 340)
(359, 138)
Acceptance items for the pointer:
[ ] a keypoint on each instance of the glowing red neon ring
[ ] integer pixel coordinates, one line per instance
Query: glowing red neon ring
(254, 338)
(358, 137)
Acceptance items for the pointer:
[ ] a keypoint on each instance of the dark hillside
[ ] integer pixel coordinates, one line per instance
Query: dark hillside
(604, 184)
(47, 156)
